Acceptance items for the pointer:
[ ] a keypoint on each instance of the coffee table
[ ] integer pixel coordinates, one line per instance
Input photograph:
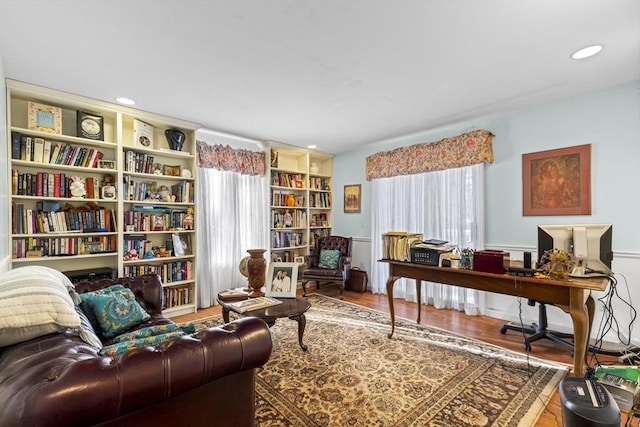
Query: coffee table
(292, 308)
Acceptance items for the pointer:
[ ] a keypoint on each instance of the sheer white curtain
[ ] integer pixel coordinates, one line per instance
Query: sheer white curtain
(446, 204)
(232, 217)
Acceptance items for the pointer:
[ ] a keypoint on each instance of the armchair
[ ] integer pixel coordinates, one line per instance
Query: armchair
(325, 268)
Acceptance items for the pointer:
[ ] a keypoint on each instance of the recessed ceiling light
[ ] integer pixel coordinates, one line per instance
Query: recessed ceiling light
(586, 52)
(312, 146)
(125, 101)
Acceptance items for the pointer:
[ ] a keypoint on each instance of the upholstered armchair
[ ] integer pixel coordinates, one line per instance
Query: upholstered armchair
(329, 261)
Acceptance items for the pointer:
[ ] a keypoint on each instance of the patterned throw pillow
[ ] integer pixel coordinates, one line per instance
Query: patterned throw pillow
(88, 311)
(329, 258)
(115, 311)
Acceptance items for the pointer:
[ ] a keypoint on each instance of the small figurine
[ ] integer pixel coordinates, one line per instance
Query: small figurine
(148, 255)
(288, 219)
(187, 222)
(163, 252)
(165, 194)
(77, 187)
(133, 254)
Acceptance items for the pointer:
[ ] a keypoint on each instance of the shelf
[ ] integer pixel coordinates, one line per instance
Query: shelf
(108, 152)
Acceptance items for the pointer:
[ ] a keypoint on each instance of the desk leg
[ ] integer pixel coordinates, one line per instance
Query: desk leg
(579, 311)
(419, 295)
(225, 314)
(390, 281)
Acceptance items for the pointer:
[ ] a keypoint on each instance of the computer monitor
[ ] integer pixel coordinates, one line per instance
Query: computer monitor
(590, 244)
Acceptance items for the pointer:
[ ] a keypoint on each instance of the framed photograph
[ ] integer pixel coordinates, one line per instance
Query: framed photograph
(108, 192)
(352, 198)
(298, 260)
(90, 126)
(172, 170)
(107, 164)
(181, 244)
(282, 279)
(44, 118)
(557, 182)
(91, 248)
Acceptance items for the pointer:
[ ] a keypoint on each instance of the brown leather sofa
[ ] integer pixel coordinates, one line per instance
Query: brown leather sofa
(203, 379)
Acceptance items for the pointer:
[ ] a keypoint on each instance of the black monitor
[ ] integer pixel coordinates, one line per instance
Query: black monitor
(590, 244)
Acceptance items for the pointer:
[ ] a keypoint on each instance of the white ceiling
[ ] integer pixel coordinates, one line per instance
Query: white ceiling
(337, 74)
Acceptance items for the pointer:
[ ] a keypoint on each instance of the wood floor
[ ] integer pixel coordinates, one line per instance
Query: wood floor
(478, 327)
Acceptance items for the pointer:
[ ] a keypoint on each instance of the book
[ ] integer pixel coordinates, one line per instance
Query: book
(38, 149)
(253, 304)
(236, 294)
(142, 134)
(46, 154)
(624, 391)
(90, 126)
(16, 140)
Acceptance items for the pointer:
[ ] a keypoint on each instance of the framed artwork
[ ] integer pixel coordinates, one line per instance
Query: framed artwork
(282, 279)
(107, 164)
(557, 182)
(91, 247)
(44, 118)
(298, 260)
(181, 244)
(352, 198)
(172, 170)
(90, 126)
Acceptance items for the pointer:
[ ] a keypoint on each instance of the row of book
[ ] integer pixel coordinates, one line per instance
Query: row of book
(283, 179)
(174, 297)
(295, 218)
(316, 183)
(320, 200)
(143, 220)
(319, 232)
(132, 190)
(319, 220)
(40, 150)
(170, 272)
(278, 198)
(31, 221)
(138, 162)
(396, 245)
(45, 184)
(62, 246)
(286, 239)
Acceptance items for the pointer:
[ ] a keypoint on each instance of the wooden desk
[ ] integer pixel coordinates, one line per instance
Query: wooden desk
(572, 296)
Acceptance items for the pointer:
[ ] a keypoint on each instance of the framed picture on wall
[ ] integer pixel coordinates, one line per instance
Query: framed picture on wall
(557, 182)
(352, 198)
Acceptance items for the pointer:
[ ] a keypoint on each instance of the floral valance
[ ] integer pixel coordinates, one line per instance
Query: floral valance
(454, 152)
(225, 158)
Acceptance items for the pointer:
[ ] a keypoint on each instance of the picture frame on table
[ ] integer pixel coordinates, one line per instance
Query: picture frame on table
(352, 200)
(282, 280)
(557, 182)
(44, 118)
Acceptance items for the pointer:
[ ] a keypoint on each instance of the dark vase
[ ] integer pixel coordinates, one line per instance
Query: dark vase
(175, 138)
(257, 266)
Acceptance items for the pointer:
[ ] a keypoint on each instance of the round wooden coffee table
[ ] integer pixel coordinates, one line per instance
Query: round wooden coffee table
(292, 308)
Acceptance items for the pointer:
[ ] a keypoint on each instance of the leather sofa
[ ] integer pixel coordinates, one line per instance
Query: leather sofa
(202, 379)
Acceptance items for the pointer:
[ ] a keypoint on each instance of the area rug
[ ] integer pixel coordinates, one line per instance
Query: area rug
(353, 375)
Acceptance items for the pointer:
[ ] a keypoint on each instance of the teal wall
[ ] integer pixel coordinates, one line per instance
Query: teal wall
(609, 120)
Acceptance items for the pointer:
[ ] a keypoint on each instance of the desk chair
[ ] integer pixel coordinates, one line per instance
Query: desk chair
(539, 331)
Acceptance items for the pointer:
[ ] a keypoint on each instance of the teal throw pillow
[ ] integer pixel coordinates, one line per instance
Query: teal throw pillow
(88, 311)
(329, 258)
(115, 311)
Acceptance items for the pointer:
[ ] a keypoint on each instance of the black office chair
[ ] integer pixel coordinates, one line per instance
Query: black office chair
(539, 331)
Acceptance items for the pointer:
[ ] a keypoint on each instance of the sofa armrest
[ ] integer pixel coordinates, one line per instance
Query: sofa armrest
(70, 385)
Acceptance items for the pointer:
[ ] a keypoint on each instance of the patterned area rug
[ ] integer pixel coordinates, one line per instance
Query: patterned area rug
(353, 375)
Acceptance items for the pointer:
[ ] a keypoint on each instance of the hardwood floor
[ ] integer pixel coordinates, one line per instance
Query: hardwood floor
(479, 327)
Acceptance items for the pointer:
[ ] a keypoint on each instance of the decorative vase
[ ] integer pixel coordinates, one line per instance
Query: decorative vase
(257, 266)
(175, 138)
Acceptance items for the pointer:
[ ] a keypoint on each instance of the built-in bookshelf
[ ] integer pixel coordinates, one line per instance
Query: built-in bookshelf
(301, 188)
(96, 185)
